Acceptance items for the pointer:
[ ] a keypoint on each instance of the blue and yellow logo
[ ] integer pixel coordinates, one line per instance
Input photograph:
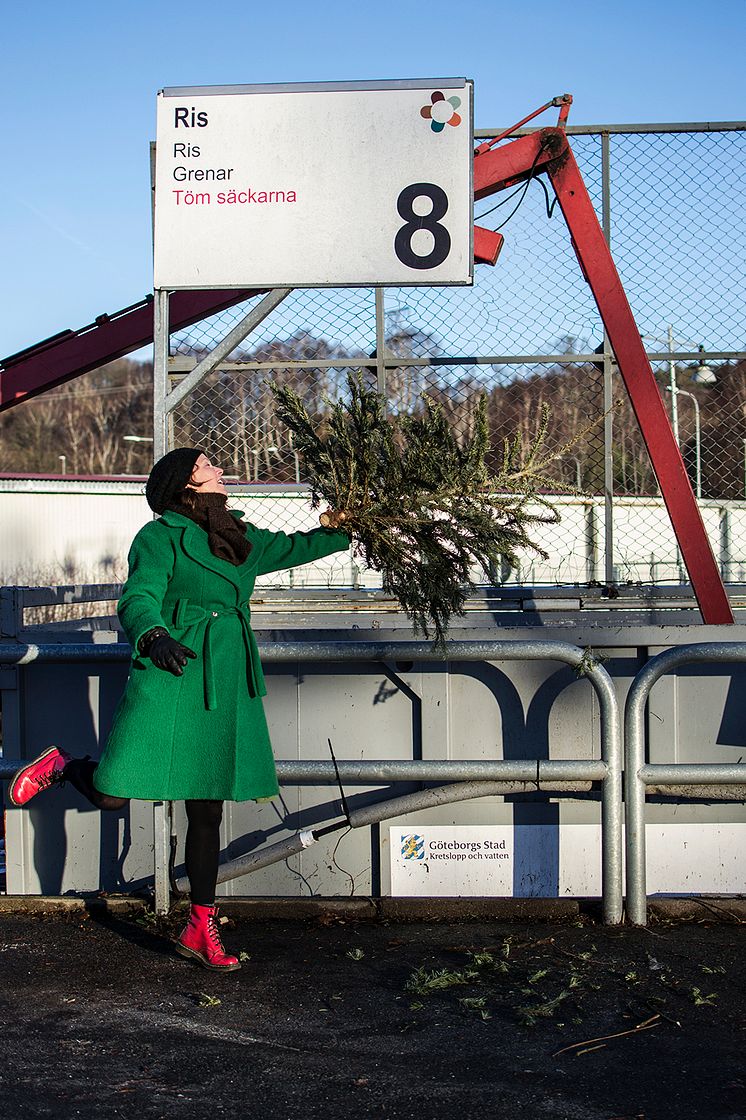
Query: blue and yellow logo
(413, 846)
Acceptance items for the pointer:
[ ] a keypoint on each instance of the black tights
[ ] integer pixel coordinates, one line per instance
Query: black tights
(203, 830)
(203, 849)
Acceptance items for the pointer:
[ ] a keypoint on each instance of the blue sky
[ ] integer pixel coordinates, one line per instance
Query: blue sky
(79, 80)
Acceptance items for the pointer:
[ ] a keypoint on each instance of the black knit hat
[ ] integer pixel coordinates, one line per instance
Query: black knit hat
(169, 476)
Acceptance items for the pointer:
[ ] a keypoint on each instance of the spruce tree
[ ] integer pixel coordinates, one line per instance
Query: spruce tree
(421, 507)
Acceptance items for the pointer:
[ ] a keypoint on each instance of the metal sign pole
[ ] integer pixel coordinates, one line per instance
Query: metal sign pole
(162, 815)
(160, 373)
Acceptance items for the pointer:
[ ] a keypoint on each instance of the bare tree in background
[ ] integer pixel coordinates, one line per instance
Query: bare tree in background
(83, 421)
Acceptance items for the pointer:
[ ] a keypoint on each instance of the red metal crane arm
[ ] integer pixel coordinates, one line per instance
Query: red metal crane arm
(71, 353)
(548, 150)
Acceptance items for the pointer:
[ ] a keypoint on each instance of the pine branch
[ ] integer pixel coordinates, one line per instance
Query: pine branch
(421, 508)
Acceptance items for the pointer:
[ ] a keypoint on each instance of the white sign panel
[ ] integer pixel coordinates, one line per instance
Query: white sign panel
(452, 860)
(686, 858)
(312, 185)
(559, 861)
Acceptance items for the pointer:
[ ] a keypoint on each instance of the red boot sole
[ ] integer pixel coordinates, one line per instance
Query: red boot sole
(193, 954)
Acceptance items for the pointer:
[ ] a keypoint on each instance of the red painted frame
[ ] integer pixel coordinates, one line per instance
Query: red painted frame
(71, 353)
(548, 150)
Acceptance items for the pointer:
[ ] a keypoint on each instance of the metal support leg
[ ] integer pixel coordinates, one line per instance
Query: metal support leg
(380, 341)
(160, 373)
(162, 852)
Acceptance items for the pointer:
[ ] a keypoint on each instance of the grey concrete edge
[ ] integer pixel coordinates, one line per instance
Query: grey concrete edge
(303, 909)
(691, 908)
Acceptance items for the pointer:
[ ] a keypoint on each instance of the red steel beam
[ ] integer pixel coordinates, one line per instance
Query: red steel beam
(600, 272)
(67, 355)
(499, 168)
(487, 245)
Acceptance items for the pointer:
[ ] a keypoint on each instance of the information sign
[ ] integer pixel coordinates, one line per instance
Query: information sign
(558, 860)
(313, 185)
(452, 860)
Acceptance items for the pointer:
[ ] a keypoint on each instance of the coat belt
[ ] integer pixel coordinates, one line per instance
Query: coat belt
(188, 613)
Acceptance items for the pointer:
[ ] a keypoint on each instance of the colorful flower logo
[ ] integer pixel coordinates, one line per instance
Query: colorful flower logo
(441, 111)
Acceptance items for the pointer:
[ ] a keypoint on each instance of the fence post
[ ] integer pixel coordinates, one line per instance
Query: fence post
(162, 854)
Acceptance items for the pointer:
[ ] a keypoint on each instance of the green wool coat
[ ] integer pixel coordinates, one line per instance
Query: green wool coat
(202, 735)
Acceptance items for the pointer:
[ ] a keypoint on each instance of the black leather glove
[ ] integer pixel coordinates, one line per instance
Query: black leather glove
(168, 654)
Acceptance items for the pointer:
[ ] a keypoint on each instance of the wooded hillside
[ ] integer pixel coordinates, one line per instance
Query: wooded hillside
(79, 428)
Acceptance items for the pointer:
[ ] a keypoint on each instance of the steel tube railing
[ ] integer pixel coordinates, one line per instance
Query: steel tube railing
(370, 815)
(28, 654)
(638, 775)
(416, 770)
(530, 650)
(541, 774)
(700, 773)
(410, 651)
(422, 799)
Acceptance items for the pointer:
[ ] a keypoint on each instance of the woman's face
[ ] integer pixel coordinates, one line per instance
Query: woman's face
(207, 479)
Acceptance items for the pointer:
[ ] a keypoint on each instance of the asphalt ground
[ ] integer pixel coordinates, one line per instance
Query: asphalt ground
(336, 1017)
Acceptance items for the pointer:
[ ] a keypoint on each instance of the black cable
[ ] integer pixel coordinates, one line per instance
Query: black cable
(345, 807)
(517, 206)
(478, 217)
(550, 209)
(523, 190)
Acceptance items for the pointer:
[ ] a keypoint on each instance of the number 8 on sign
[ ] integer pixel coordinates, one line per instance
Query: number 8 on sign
(414, 222)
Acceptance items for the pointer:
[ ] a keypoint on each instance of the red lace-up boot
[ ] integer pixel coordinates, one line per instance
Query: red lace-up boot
(200, 940)
(45, 771)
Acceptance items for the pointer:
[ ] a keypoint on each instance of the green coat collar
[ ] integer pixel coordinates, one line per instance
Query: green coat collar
(196, 545)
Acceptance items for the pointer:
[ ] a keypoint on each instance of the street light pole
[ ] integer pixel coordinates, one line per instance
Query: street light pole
(578, 472)
(703, 375)
(672, 386)
(697, 433)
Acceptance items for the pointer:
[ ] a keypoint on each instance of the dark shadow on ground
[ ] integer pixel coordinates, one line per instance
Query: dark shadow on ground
(337, 1018)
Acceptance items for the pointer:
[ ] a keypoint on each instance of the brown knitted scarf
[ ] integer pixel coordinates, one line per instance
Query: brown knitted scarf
(226, 534)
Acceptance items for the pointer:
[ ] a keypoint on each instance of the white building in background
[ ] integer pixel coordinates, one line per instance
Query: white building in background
(63, 530)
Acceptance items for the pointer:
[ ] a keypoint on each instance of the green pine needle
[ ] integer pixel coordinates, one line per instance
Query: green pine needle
(421, 507)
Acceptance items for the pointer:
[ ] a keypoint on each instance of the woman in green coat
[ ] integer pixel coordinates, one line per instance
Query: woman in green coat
(190, 725)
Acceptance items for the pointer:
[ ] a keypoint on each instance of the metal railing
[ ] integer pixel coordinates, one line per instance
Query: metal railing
(477, 778)
(574, 774)
(675, 777)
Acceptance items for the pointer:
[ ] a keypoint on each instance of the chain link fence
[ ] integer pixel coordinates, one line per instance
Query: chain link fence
(529, 334)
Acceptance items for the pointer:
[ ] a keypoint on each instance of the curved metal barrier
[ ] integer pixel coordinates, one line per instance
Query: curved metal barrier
(572, 773)
(638, 775)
